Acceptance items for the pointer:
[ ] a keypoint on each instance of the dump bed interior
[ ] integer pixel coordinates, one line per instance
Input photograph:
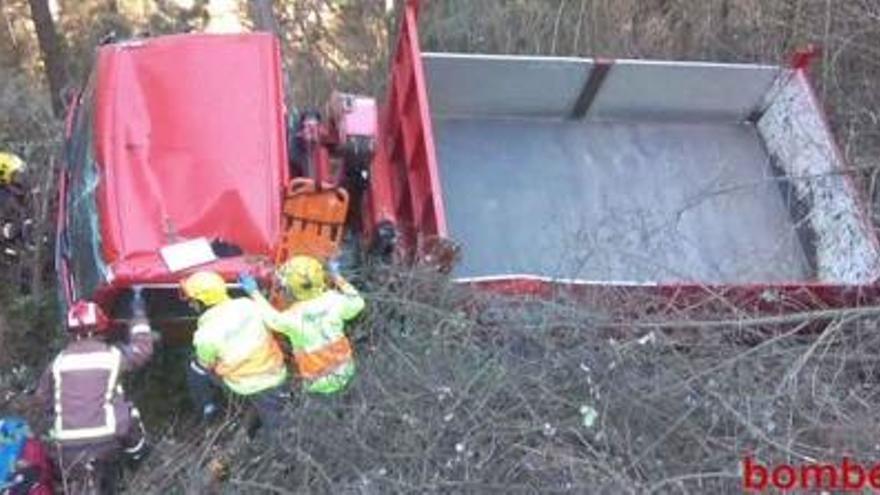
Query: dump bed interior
(653, 172)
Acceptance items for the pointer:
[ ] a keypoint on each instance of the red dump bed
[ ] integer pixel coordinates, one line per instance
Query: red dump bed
(686, 179)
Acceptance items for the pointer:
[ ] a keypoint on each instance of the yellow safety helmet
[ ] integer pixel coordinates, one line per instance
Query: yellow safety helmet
(10, 165)
(208, 288)
(303, 276)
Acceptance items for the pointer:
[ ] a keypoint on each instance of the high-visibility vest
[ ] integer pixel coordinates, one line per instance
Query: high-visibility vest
(64, 370)
(233, 341)
(322, 353)
(325, 358)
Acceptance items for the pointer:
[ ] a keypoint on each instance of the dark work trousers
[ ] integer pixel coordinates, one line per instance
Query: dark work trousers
(203, 386)
(103, 456)
(133, 444)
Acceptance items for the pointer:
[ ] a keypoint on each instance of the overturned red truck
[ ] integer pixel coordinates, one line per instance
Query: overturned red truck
(548, 173)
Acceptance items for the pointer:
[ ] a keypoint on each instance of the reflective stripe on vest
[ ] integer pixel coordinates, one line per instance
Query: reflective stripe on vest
(248, 358)
(267, 356)
(324, 360)
(110, 360)
(320, 347)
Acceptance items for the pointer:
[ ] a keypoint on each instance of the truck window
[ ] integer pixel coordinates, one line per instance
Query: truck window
(87, 267)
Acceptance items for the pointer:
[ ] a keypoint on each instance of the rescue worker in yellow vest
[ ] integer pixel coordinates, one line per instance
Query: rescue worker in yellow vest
(12, 168)
(233, 349)
(13, 203)
(315, 323)
(82, 388)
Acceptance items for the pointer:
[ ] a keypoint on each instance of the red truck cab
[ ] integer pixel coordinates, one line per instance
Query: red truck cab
(174, 138)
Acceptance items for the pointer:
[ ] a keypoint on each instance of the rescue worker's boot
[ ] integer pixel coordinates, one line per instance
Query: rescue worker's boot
(135, 445)
(202, 391)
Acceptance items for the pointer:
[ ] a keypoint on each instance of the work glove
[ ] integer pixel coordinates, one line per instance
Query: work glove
(333, 268)
(138, 306)
(248, 284)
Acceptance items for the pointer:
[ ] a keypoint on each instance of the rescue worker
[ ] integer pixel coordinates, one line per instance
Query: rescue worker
(13, 211)
(12, 168)
(233, 348)
(315, 323)
(91, 418)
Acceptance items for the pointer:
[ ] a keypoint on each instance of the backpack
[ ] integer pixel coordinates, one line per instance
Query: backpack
(25, 468)
(14, 433)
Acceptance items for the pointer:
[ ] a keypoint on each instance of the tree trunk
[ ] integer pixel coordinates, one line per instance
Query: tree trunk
(52, 51)
(262, 15)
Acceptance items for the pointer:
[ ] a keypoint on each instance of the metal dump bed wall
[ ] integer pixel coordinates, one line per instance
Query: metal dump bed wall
(465, 85)
(658, 177)
(823, 199)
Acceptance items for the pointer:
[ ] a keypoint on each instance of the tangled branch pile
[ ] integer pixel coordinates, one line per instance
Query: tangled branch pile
(546, 396)
(537, 396)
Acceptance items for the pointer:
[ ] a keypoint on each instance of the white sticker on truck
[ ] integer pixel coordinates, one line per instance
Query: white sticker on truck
(187, 254)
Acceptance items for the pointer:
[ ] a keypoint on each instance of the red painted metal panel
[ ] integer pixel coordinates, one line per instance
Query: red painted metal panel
(801, 59)
(181, 122)
(429, 153)
(405, 176)
(749, 299)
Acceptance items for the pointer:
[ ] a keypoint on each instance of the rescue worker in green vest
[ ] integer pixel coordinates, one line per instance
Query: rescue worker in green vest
(233, 349)
(315, 323)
